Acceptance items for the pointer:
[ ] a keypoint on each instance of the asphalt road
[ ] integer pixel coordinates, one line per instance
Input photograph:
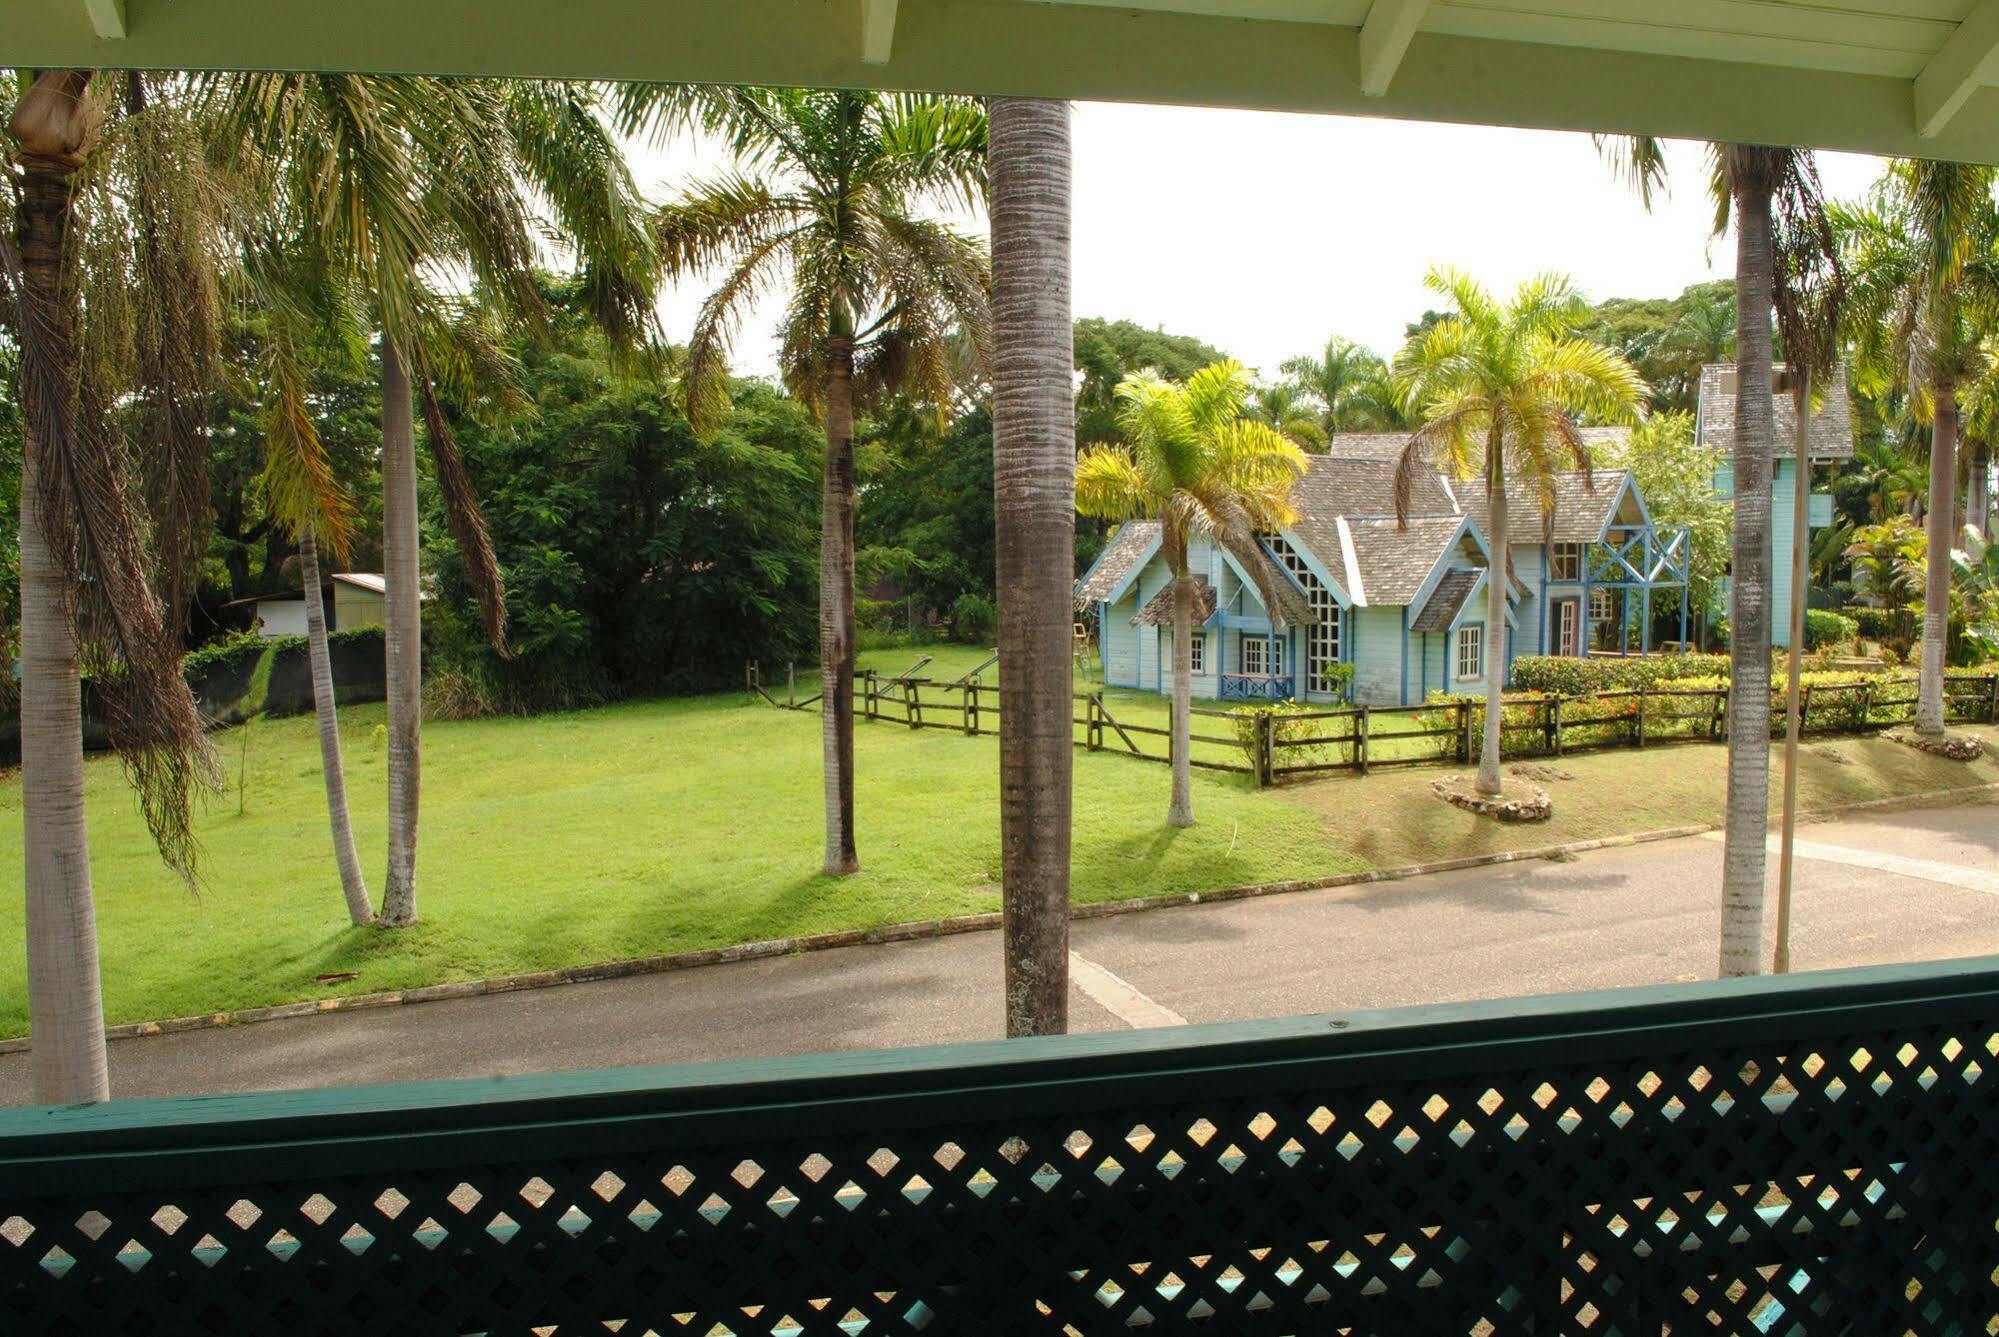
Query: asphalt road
(1904, 886)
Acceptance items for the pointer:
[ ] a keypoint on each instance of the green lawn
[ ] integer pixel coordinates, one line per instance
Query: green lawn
(665, 826)
(633, 830)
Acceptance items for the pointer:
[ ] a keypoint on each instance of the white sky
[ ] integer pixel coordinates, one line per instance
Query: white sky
(1264, 233)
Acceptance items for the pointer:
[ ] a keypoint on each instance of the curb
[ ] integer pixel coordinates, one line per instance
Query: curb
(943, 928)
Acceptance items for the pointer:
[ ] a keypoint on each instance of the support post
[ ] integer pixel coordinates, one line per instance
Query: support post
(1794, 712)
(1362, 731)
(1645, 622)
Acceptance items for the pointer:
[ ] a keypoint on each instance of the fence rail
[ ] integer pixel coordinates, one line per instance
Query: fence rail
(1279, 744)
(1798, 1154)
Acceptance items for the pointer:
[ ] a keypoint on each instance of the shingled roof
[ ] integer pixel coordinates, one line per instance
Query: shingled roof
(1348, 485)
(1158, 610)
(1395, 559)
(1831, 427)
(1581, 513)
(1441, 608)
(1127, 548)
(1390, 445)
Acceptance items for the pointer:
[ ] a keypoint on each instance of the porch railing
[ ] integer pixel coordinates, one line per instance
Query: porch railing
(1256, 687)
(1802, 1154)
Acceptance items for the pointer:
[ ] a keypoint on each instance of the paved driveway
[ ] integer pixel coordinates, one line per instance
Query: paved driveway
(1903, 886)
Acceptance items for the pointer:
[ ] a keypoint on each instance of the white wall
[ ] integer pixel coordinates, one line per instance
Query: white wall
(281, 617)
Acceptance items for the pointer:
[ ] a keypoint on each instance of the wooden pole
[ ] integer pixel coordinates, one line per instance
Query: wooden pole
(1794, 714)
(791, 684)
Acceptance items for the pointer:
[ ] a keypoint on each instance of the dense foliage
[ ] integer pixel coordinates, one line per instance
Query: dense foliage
(640, 557)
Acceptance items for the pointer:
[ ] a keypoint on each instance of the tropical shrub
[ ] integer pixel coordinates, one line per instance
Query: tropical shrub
(973, 618)
(1313, 745)
(1824, 627)
(1567, 675)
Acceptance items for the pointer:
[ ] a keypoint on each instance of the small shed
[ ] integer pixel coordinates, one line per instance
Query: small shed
(351, 599)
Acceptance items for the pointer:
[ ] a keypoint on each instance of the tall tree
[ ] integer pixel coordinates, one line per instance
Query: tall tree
(396, 181)
(1288, 409)
(1500, 387)
(1193, 458)
(1350, 384)
(1772, 196)
(1034, 484)
(826, 198)
(86, 601)
(1924, 253)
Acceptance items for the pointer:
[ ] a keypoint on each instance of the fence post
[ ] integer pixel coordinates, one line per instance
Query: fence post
(750, 676)
(791, 684)
(1555, 723)
(968, 708)
(1266, 762)
(1867, 701)
(868, 695)
(1804, 709)
(1640, 721)
(1096, 721)
(1992, 703)
(1464, 733)
(1362, 728)
(1717, 714)
(912, 703)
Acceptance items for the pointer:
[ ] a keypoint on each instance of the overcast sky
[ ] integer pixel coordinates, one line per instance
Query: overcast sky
(1264, 233)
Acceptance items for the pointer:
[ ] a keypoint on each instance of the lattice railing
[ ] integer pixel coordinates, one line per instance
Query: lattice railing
(1806, 1155)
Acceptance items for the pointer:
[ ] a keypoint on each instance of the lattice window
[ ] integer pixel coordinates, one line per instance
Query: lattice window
(1197, 649)
(1322, 637)
(1565, 561)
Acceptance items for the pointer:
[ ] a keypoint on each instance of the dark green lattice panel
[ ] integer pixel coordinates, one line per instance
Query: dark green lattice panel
(1813, 1155)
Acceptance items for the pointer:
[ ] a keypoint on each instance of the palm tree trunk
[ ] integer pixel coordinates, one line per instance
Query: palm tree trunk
(1744, 859)
(1180, 811)
(65, 999)
(1034, 486)
(403, 635)
(352, 885)
(836, 610)
(1495, 617)
(1978, 494)
(1942, 537)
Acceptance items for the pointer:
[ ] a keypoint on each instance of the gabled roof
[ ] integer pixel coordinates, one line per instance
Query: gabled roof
(1831, 427)
(1445, 601)
(1134, 541)
(1158, 610)
(1336, 485)
(1582, 510)
(1397, 559)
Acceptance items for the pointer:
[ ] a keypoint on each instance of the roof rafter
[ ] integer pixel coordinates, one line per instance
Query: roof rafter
(1384, 39)
(107, 17)
(877, 31)
(1968, 61)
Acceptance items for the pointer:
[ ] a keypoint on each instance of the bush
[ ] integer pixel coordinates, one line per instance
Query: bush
(1285, 726)
(1567, 675)
(973, 618)
(1889, 626)
(1826, 628)
(454, 694)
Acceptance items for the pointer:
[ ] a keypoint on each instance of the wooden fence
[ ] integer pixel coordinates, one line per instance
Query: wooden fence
(1274, 745)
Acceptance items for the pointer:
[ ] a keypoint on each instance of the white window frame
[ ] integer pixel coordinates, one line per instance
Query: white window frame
(1602, 611)
(1565, 561)
(1197, 650)
(1470, 650)
(1262, 656)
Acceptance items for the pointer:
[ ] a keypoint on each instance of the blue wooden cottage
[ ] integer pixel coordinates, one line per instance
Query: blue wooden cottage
(1402, 601)
(1829, 440)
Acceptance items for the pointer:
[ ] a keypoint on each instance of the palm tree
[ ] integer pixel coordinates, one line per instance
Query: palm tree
(1772, 196)
(1287, 407)
(1034, 485)
(1894, 482)
(1500, 387)
(1924, 253)
(88, 602)
(398, 180)
(1194, 459)
(825, 198)
(1351, 386)
(1704, 334)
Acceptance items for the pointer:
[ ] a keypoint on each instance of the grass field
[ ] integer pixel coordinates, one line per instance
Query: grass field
(664, 826)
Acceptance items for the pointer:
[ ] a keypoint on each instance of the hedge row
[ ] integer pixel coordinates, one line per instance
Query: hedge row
(1567, 675)
(241, 649)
